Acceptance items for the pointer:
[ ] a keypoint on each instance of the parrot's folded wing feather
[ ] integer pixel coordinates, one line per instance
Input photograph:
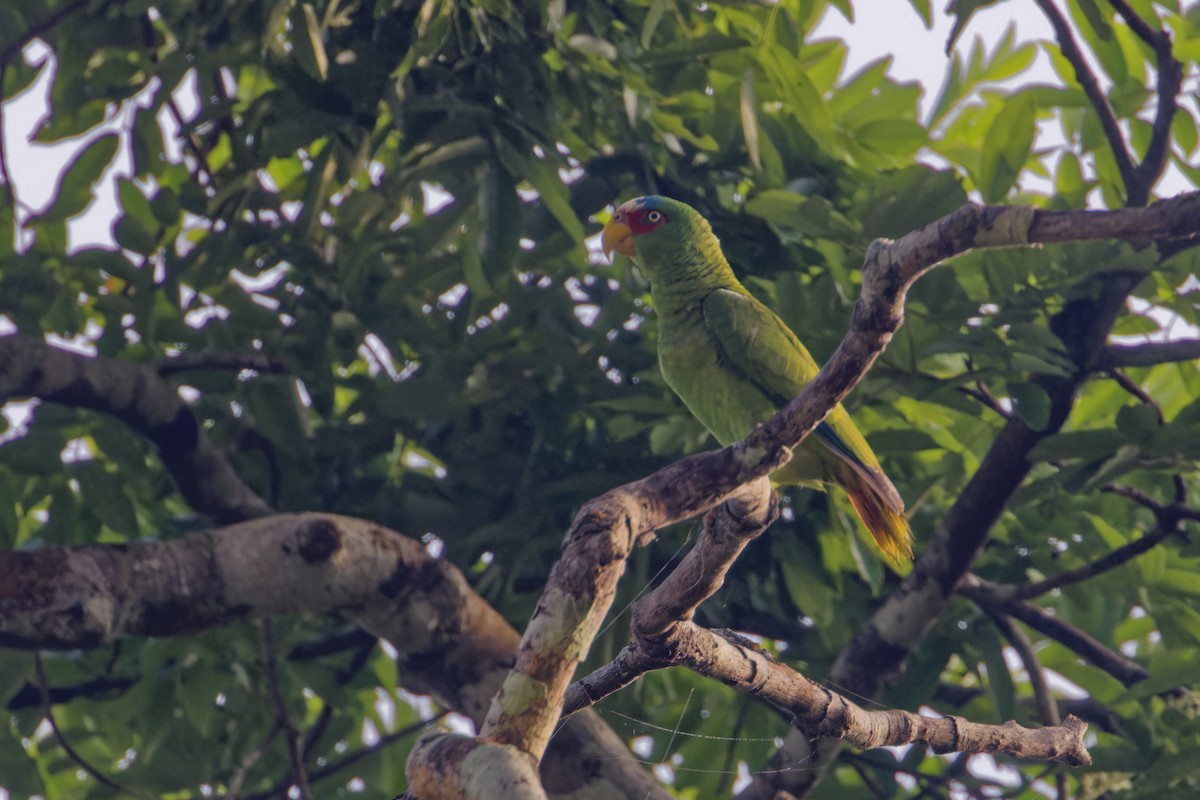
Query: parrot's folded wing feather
(869, 473)
(757, 343)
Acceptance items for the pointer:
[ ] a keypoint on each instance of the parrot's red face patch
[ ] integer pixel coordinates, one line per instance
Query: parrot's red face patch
(631, 220)
(639, 218)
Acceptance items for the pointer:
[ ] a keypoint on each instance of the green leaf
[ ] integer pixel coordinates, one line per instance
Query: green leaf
(800, 97)
(1006, 147)
(748, 106)
(500, 218)
(103, 493)
(689, 49)
(1088, 445)
(813, 216)
(131, 234)
(1031, 404)
(908, 199)
(1183, 130)
(307, 45)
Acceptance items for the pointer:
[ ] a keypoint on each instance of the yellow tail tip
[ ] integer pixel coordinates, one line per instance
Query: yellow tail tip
(887, 526)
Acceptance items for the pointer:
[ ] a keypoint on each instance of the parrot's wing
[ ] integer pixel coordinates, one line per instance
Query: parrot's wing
(756, 343)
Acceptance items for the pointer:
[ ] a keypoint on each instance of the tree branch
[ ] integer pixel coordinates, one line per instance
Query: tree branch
(1111, 560)
(1135, 188)
(283, 717)
(1149, 354)
(450, 643)
(990, 597)
(139, 397)
(227, 361)
(1170, 79)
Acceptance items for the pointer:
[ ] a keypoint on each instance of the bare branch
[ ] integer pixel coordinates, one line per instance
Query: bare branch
(1047, 708)
(283, 717)
(1149, 354)
(821, 712)
(1170, 79)
(1131, 387)
(248, 761)
(72, 753)
(139, 397)
(1135, 189)
(992, 597)
(225, 361)
(450, 643)
(629, 665)
(1103, 564)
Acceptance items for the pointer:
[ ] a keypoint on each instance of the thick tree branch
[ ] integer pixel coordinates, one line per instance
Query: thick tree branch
(139, 397)
(450, 642)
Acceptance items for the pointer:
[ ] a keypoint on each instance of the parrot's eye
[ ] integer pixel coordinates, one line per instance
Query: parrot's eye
(654, 217)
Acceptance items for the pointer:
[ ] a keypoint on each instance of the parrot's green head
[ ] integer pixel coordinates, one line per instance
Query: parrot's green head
(661, 235)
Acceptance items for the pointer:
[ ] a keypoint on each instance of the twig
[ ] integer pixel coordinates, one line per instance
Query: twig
(283, 718)
(1167, 515)
(984, 396)
(103, 688)
(1135, 189)
(1047, 707)
(149, 37)
(249, 760)
(349, 759)
(187, 362)
(989, 595)
(48, 713)
(1111, 560)
(1170, 79)
(1131, 386)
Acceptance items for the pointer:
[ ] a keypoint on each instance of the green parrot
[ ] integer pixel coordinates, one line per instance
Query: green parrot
(734, 363)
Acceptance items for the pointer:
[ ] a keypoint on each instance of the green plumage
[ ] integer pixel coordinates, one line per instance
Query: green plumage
(734, 363)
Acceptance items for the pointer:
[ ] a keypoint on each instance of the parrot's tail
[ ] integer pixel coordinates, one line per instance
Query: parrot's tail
(880, 508)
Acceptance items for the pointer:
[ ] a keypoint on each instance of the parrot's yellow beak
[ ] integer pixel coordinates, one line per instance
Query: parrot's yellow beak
(617, 236)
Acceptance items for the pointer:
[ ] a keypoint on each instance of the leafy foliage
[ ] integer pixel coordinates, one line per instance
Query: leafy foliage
(394, 200)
